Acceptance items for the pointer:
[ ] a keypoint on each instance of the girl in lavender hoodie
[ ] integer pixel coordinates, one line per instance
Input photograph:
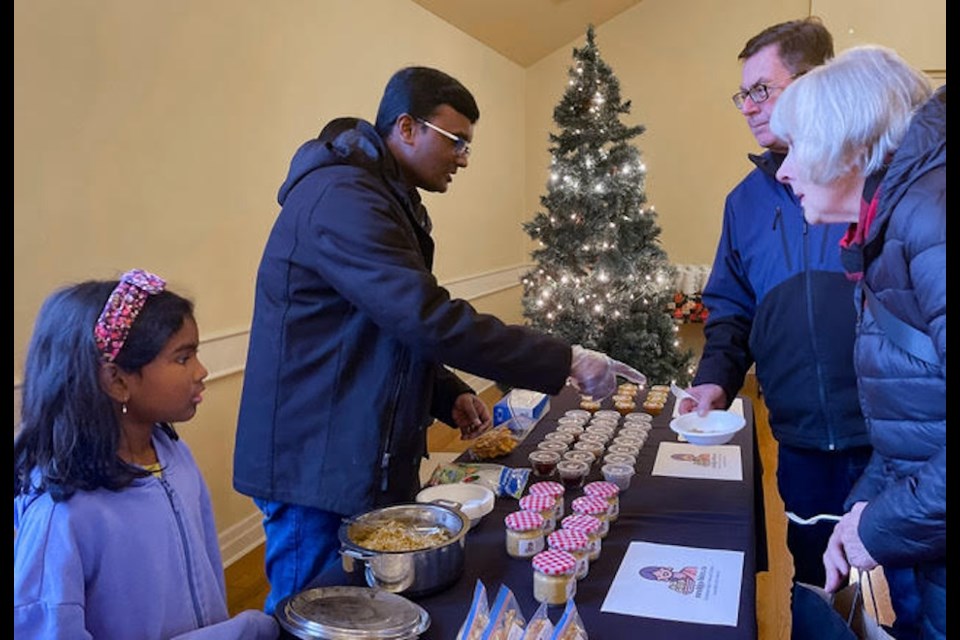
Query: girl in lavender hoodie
(114, 535)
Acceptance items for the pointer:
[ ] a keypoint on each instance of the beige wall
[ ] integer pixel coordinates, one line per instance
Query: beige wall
(155, 134)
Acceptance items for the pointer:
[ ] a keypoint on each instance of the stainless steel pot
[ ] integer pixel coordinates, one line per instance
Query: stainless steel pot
(412, 573)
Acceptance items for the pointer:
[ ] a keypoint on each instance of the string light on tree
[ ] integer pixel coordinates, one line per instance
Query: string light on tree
(601, 276)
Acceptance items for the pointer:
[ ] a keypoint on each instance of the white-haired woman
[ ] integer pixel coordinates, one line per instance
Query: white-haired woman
(868, 146)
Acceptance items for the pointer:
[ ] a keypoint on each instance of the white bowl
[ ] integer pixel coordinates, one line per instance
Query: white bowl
(474, 500)
(717, 427)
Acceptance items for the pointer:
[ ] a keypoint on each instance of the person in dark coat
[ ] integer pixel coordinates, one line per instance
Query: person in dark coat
(352, 335)
(868, 146)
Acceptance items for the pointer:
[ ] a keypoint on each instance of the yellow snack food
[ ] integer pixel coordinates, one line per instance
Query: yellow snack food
(494, 443)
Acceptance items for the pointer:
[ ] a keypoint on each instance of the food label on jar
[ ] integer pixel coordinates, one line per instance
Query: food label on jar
(531, 546)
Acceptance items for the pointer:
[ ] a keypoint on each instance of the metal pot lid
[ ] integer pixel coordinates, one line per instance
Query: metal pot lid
(350, 613)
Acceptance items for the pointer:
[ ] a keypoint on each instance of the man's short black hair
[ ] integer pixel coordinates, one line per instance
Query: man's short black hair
(418, 91)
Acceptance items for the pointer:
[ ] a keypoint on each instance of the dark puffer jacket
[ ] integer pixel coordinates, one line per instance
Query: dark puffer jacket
(350, 334)
(904, 398)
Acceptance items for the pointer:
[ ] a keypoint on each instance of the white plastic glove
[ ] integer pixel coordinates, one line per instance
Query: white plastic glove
(595, 374)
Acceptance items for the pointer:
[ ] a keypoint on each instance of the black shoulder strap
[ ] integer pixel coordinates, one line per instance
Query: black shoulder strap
(908, 338)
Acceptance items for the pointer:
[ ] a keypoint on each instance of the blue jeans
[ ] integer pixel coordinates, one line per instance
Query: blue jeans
(811, 482)
(301, 543)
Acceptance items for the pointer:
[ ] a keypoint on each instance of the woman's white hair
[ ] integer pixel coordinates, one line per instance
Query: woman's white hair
(850, 113)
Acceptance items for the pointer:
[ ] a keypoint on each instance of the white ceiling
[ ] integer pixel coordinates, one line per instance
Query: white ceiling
(525, 30)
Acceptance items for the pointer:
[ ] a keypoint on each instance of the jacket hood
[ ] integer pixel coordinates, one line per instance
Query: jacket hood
(923, 147)
(359, 146)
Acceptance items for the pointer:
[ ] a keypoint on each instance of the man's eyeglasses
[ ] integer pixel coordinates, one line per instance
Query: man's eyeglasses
(460, 146)
(759, 92)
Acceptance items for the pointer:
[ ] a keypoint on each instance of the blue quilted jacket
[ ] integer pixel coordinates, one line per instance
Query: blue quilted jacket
(904, 398)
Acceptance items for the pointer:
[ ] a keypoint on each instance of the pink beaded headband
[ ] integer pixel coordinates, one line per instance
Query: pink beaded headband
(122, 308)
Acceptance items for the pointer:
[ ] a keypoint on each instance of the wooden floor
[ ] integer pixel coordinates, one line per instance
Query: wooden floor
(247, 586)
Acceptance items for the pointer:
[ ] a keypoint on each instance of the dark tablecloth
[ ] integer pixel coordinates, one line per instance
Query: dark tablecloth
(712, 514)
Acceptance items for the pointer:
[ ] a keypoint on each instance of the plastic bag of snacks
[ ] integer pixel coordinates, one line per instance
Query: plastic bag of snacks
(477, 617)
(506, 618)
(570, 626)
(539, 627)
(503, 481)
(495, 443)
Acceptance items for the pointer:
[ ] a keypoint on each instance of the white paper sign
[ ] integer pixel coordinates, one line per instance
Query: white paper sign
(714, 462)
(686, 584)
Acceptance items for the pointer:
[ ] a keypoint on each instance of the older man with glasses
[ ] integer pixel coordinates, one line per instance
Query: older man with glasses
(778, 299)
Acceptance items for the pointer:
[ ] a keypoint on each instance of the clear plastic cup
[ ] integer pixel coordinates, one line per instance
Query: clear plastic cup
(560, 436)
(572, 473)
(593, 446)
(620, 458)
(629, 449)
(580, 456)
(637, 416)
(552, 445)
(577, 413)
(544, 463)
(618, 474)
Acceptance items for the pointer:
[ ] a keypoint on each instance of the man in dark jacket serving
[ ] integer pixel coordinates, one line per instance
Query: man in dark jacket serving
(351, 330)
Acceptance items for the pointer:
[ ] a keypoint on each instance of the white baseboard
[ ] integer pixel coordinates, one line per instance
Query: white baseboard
(240, 539)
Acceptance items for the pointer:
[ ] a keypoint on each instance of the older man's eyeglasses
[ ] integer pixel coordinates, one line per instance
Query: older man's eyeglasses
(759, 92)
(460, 146)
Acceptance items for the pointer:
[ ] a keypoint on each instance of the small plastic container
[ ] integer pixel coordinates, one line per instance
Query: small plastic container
(596, 507)
(552, 445)
(572, 473)
(635, 430)
(652, 407)
(589, 404)
(607, 491)
(621, 397)
(620, 458)
(524, 534)
(624, 407)
(576, 421)
(601, 433)
(628, 389)
(581, 456)
(577, 413)
(596, 436)
(593, 446)
(634, 441)
(575, 543)
(629, 449)
(618, 474)
(560, 436)
(546, 506)
(570, 429)
(608, 413)
(637, 416)
(587, 525)
(553, 489)
(544, 463)
(554, 581)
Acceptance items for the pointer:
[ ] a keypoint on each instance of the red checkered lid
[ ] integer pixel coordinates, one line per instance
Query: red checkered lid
(581, 522)
(537, 502)
(554, 562)
(524, 520)
(589, 505)
(601, 489)
(547, 488)
(568, 540)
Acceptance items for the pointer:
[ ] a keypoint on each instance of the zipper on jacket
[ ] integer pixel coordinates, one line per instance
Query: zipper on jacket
(812, 327)
(777, 222)
(388, 437)
(197, 611)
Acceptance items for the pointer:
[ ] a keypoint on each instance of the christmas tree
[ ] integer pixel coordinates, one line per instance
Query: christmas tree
(601, 278)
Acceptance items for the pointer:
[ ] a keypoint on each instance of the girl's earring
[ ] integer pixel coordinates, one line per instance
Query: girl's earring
(123, 408)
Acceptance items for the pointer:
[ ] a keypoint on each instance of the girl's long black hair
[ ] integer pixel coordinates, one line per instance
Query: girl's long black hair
(69, 432)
